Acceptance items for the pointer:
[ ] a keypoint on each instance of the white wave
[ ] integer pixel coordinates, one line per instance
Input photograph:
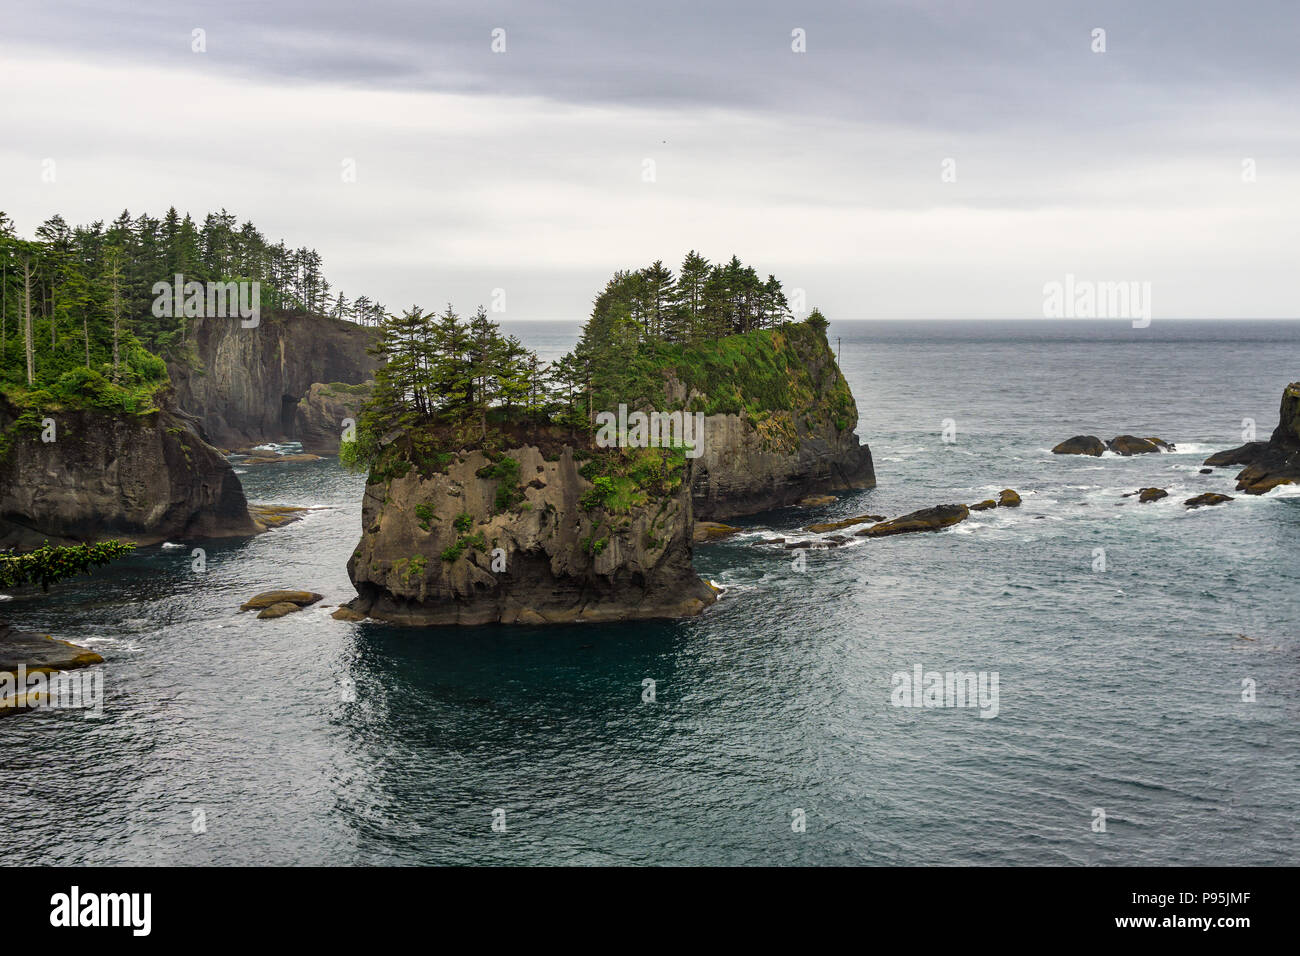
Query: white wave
(1282, 491)
(6, 597)
(241, 471)
(171, 546)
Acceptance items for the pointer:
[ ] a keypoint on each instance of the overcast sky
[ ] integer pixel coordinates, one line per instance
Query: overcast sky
(525, 170)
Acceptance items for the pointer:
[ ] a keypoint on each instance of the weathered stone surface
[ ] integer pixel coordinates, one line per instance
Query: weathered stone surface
(927, 519)
(268, 598)
(1081, 445)
(41, 652)
(749, 465)
(1208, 498)
(347, 614)
(984, 505)
(1008, 498)
(1146, 495)
(145, 479)
(846, 523)
(561, 562)
(711, 531)
(279, 609)
(319, 417)
(246, 384)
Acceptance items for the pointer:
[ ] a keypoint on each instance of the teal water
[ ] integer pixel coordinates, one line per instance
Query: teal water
(1120, 690)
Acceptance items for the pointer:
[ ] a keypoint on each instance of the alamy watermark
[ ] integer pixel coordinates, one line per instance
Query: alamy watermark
(653, 430)
(1085, 299)
(922, 688)
(61, 690)
(209, 300)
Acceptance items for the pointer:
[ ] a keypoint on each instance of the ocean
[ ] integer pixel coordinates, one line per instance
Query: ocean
(1146, 657)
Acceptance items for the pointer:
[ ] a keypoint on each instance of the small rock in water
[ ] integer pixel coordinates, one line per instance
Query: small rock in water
(1146, 495)
(1209, 498)
(984, 505)
(1008, 498)
(1207, 471)
(278, 610)
(816, 501)
(1081, 445)
(267, 598)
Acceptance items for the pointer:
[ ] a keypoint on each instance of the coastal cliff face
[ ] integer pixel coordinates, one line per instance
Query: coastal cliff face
(790, 435)
(320, 414)
(523, 537)
(244, 385)
(1273, 462)
(146, 478)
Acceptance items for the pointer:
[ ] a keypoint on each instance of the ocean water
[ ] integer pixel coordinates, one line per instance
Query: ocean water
(1120, 691)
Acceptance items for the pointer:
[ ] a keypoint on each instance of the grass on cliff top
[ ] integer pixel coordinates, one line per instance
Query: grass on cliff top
(789, 368)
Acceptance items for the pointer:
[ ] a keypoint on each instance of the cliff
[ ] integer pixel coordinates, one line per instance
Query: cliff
(1273, 462)
(540, 532)
(320, 414)
(244, 385)
(144, 478)
(779, 423)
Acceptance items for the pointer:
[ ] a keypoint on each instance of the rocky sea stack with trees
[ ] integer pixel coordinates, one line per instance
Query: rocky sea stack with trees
(495, 494)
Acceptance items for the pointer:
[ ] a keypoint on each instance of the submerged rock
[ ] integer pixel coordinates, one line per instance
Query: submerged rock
(846, 523)
(347, 614)
(279, 609)
(41, 652)
(817, 501)
(1209, 498)
(984, 505)
(268, 598)
(708, 530)
(1081, 445)
(927, 519)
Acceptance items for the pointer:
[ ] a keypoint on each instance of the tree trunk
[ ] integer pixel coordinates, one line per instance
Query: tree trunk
(27, 321)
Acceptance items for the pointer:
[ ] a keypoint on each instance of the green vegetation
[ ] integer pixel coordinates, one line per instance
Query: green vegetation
(425, 513)
(77, 323)
(475, 542)
(464, 521)
(50, 563)
(506, 472)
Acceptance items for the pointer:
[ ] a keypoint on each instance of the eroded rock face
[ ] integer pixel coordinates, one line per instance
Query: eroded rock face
(246, 384)
(927, 519)
(1081, 445)
(319, 417)
(442, 550)
(1274, 462)
(144, 479)
(749, 465)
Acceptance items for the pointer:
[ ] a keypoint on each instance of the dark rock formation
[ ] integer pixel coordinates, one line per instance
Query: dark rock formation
(245, 385)
(927, 519)
(1127, 445)
(1209, 498)
(847, 522)
(447, 547)
(1008, 498)
(146, 479)
(1274, 462)
(1147, 495)
(1081, 445)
